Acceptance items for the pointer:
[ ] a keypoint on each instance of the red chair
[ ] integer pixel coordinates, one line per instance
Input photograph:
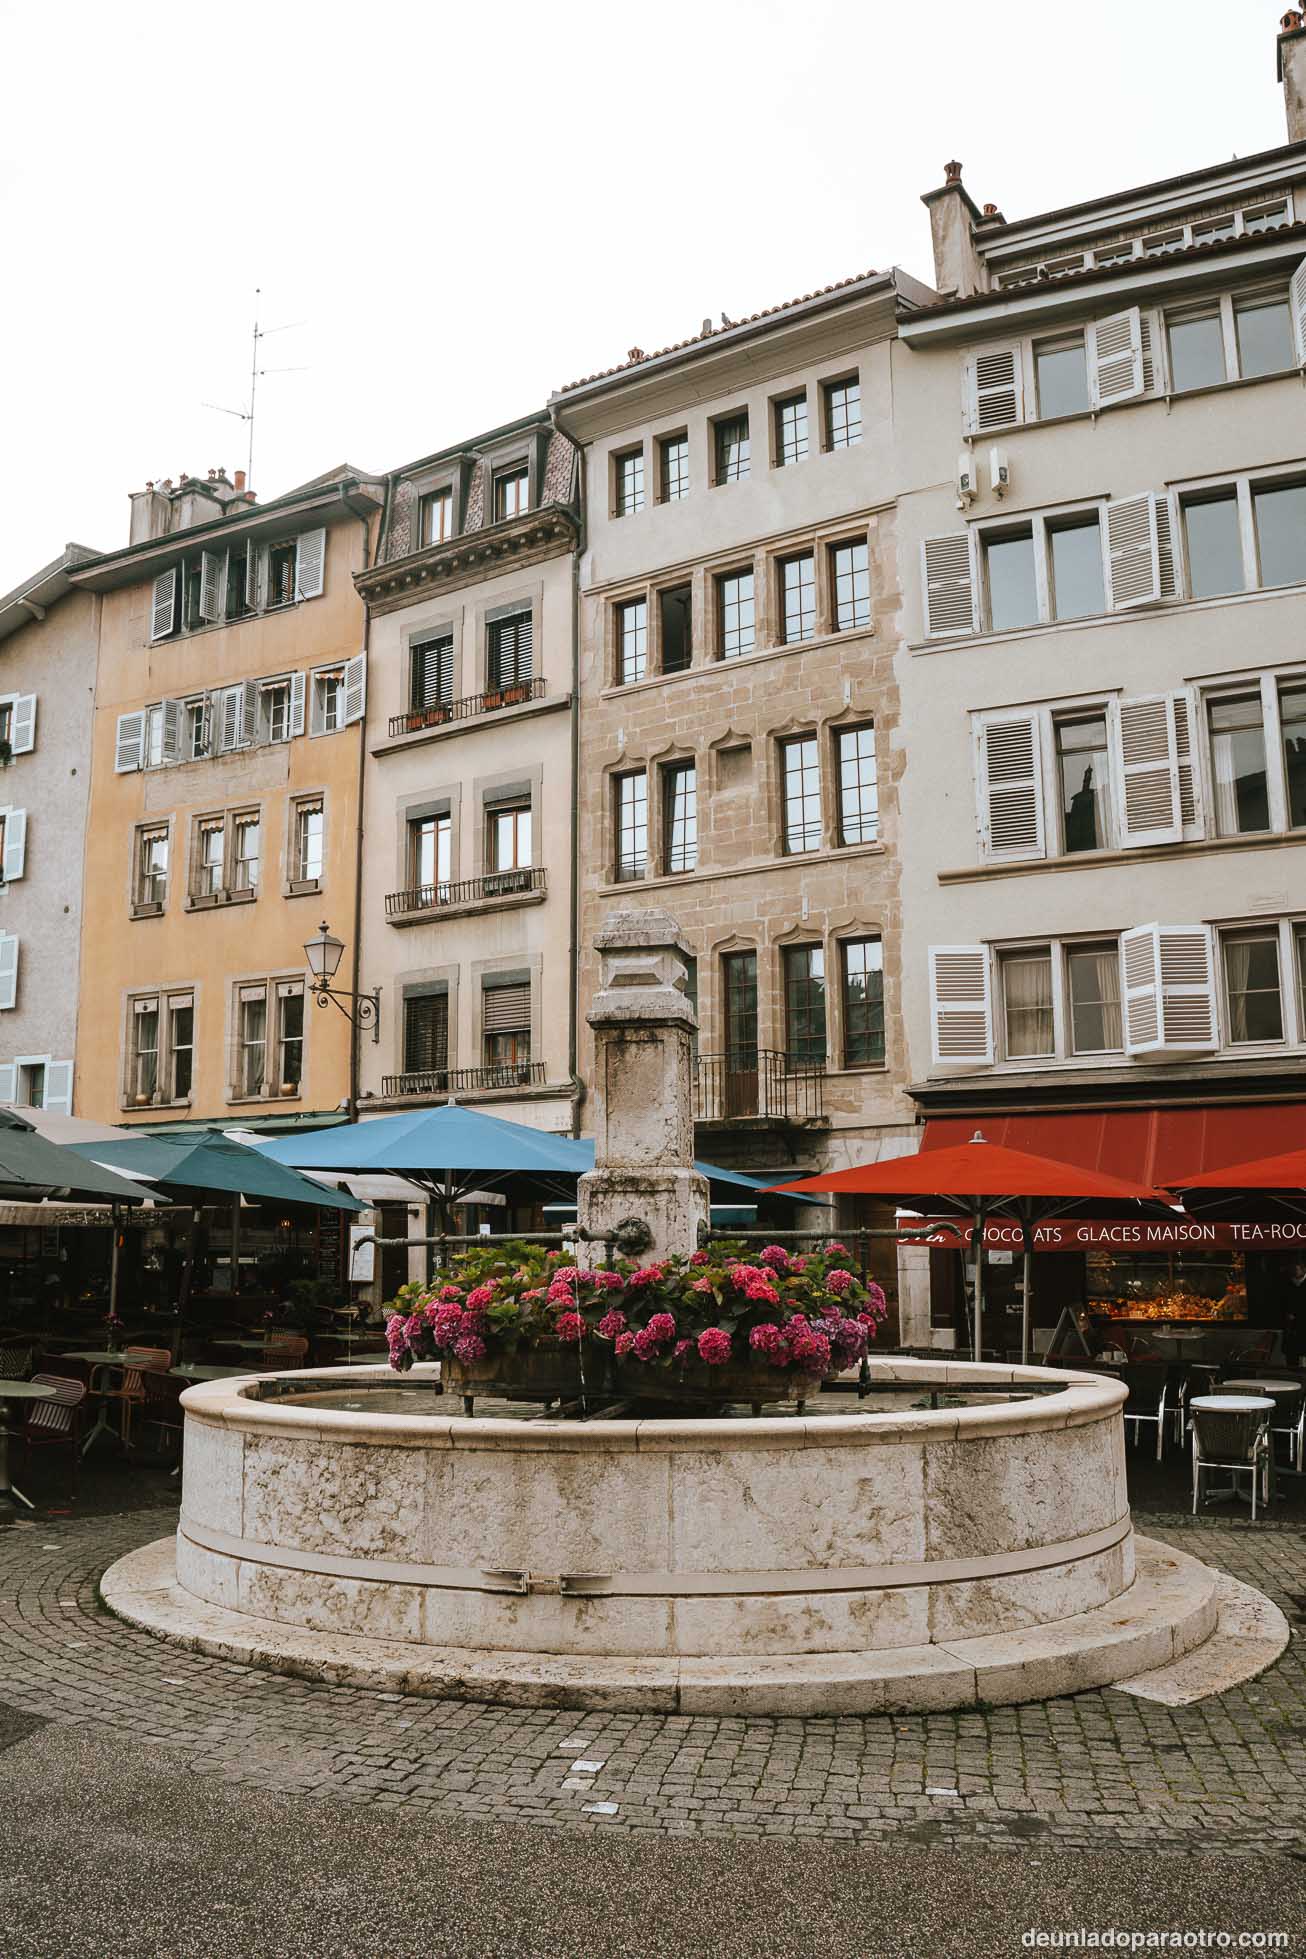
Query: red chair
(55, 1423)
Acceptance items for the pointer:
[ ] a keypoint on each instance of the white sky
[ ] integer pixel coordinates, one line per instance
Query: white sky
(468, 206)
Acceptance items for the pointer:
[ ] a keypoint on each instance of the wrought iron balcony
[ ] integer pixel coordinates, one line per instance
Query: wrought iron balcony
(420, 898)
(464, 1081)
(745, 1084)
(440, 713)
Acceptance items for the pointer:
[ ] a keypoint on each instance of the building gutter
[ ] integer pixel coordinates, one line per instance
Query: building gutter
(578, 1090)
(364, 519)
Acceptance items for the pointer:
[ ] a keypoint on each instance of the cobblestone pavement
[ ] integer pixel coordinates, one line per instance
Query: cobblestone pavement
(1224, 1777)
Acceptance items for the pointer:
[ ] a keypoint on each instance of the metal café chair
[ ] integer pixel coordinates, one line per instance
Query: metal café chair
(55, 1423)
(1232, 1432)
(1146, 1408)
(1289, 1417)
(16, 1359)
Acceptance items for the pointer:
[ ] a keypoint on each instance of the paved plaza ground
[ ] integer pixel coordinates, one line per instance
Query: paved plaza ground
(162, 1803)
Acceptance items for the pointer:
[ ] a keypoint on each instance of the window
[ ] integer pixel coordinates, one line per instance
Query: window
(209, 858)
(511, 492)
(220, 843)
(437, 517)
(239, 592)
(628, 484)
(274, 710)
(1267, 218)
(430, 853)
(431, 672)
(1238, 765)
(673, 467)
(1299, 937)
(310, 839)
(280, 576)
(676, 623)
(509, 652)
(859, 815)
(730, 441)
(1075, 554)
(1264, 330)
(152, 867)
(798, 598)
(1010, 577)
(153, 737)
(426, 1033)
(801, 770)
(1196, 351)
(790, 430)
(1280, 515)
(1061, 376)
(290, 1036)
(143, 1060)
(506, 1022)
(843, 413)
(632, 825)
(680, 817)
(632, 641)
(1211, 531)
(1084, 778)
(862, 981)
(1251, 986)
(1093, 983)
(181, 1046)
(804, 980)
(251, 1039)
(510, 838)
(851, 578)
(739, 994)
(329, 701)
(1292, 720)
(31, 1085)
(736, 613)
(7, 722)
(198, 728)
(246, 830)
(1027, 1002)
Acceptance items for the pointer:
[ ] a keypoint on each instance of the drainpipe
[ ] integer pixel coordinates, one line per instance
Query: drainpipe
(356, 982)
(578, 1090)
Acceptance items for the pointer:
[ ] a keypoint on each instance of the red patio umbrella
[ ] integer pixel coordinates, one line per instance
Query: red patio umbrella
(979, 1180)
(1279, 1181)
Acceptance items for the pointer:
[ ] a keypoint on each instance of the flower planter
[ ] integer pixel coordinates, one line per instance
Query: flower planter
(531, 1374)
(736, 1380)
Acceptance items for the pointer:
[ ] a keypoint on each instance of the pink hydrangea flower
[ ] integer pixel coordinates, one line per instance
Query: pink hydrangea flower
(469, 1347)
(701, 1285)
(662, 1326)
(570, 1328)
(768, 1339)
(798, 1264)
(450, 1292)
(700, 1258)
(647, 1275)
(811, 1351)
(876, 1303)
(761, 1289)
(682, 1350)
(775, 1256)
(646, 1345)
(481, 1296)
(625, 1341)
(612, 1324)
(836, 1248)
(839, 1281)
(610, 1281)
(714, 1346)
(743, 1276)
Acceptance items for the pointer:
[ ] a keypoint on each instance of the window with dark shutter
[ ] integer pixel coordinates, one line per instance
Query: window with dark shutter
(507, 1009)
(432, 672)
(426, 1034)
(510, 652)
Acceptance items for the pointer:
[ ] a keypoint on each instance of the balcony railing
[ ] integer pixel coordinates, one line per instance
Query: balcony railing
(465, 1081)
(757, 1082)
(440, 713)
(471, 891)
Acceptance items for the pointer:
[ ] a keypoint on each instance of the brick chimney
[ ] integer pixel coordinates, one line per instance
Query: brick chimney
(1292, 72)
(957, 267)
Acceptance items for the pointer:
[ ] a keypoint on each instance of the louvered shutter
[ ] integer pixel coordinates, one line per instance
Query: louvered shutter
(129, 749)
(22, 726)
(432, 675)
(507, 1009)
(1011, 788)
(9, 1082)
(1145, 331)
(1167, 562)
(213, 583)
(229, 702)
(426, 1034)
(298, 685)
(202, 740)
(355, 688)
(1190, 781)
(1115, 359)
(15, 856)
(961, 1004)
(1148, 800)
(1297, 301)
(254, 563)
(163, 608)
(1169, 989)
(8, 969)
(1133, 549)
(949, 585)
(174, 723)
(59, 1087)
(995, 392)
(251, 723)
(310, 564)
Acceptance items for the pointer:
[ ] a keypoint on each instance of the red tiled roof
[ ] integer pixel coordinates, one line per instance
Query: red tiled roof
(714, 333)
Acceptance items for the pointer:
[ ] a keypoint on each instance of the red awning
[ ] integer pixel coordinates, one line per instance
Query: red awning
(1149, 1146)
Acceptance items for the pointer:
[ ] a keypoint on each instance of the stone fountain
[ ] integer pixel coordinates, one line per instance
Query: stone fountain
(962, 1535)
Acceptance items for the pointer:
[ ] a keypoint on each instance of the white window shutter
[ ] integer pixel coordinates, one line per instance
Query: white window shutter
(22, 735)
(1115, 359)
(1011, 787)
(15, 844)
(204, 740)
(1149, 806)
(8, 969)
(297, 689)
(961, 1004)
(251, 723)
(129, 751)
(254, 562)
(949, 585)
(1142, 990)
(1133, 551)
(995, 394)
(1166, 560)
(1186, 722)
(163, 609)
(174, 721)
(355, 688)
(316, 704)
(1169, 989)
(213, 584)
(9, 1081)
(59, 1087)
(229, 725)
(310, 564)
(1297, 301)
(1148, 325)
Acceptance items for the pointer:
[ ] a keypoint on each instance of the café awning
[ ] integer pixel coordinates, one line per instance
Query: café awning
(1148, 1146)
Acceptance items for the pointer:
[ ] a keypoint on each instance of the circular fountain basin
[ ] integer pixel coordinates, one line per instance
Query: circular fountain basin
(892, 1553)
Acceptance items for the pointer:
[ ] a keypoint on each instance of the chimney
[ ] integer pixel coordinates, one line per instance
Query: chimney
(1292, 72)
(240, 481)
(151, 510)
(958, 270)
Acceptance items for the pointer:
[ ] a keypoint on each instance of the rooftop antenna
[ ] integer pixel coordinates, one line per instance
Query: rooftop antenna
(255, 371)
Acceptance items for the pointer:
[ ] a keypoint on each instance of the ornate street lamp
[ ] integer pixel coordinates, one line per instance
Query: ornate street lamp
(324, 953)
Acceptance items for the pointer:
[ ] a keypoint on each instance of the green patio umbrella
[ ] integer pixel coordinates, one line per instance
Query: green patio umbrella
(30, 1163)
(213, 1163)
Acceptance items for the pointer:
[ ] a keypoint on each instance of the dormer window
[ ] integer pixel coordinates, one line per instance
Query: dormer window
(437, 516)
(511, 491)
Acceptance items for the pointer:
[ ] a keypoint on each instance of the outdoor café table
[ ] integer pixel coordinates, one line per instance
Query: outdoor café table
(100, 1362)
(10, 1392)
(1180, 1338)
(197, 1371)
(1239, 1404)
(242, 1346)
